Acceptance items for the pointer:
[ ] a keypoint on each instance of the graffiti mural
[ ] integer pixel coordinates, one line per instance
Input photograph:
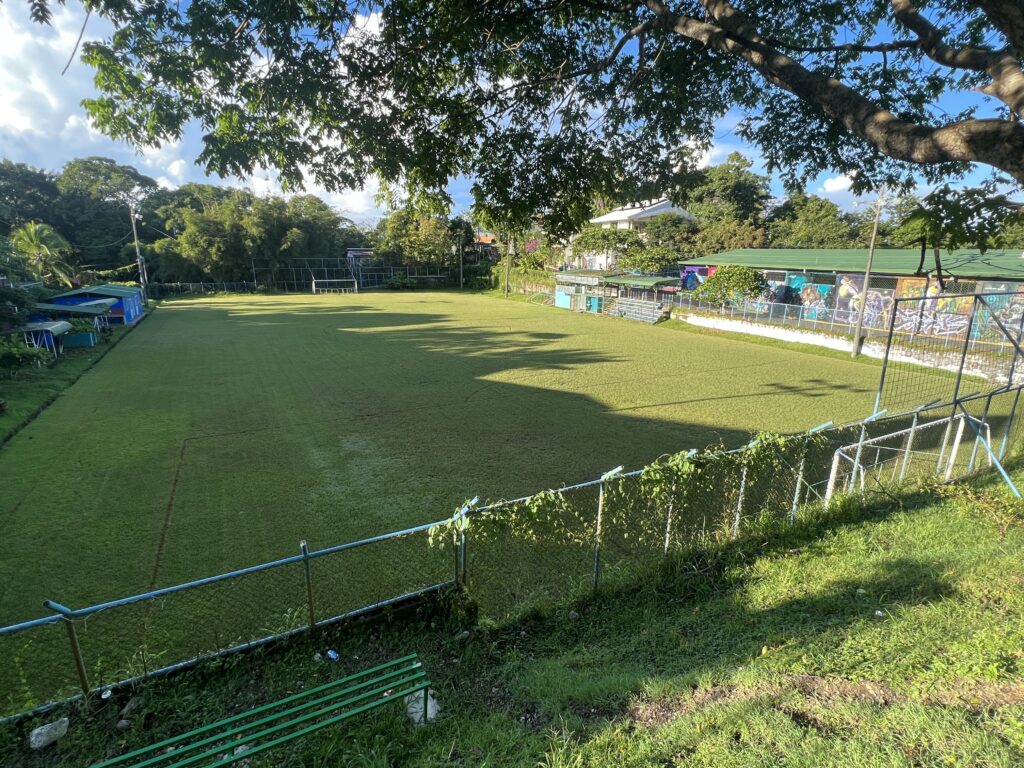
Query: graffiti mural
(690, 278)
(816, 300)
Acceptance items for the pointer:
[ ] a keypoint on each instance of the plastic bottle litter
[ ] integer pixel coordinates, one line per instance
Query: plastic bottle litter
(333, 655)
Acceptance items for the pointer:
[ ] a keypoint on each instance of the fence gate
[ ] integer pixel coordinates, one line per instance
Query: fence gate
(959, 354)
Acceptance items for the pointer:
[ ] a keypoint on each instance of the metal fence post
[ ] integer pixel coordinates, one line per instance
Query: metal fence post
(955, 449)
(739, 504)
(461, 565)
(668, 518)
(910, 445)
(977, 439)
(833, 473)
(310, 605)
(600, 516)
(76, 649)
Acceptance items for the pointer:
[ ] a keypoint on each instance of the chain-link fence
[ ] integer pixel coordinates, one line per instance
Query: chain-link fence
(102, 645)
(512, 556)
(831, 304)
(946, 347)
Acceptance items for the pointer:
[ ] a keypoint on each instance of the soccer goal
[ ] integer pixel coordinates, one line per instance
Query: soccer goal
(348, 285)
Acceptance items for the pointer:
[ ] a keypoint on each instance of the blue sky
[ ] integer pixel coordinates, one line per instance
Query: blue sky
(43, 124)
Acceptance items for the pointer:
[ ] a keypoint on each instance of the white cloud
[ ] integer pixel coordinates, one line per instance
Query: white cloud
(835, 184)
(43, 124)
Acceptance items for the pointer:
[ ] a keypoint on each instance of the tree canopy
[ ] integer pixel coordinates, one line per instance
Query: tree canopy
(547, 103)
(196, 232)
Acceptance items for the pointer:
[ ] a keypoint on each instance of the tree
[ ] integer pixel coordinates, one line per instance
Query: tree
(948, 218)
(551, 102)
(622, 247)
(26, 194)
(104, 179)
(732, 282)
(669, 230)
(808, 221)
(43, 250)
(729, 191)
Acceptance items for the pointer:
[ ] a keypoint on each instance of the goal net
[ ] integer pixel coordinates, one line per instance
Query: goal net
(335, 286)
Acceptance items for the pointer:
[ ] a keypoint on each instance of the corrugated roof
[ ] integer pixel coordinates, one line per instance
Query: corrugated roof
(641, 281)
(118, 291)
(588, 273)
(999, 264)
(56, 327)
(640, 211)
(90, 309)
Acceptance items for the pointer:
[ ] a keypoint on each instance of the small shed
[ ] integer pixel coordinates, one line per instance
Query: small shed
(46, 335)
(583, 290)
(126, 309)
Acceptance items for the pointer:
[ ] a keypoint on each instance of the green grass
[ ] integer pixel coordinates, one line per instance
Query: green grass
(886, 634)
(32, 388)
(224, 430)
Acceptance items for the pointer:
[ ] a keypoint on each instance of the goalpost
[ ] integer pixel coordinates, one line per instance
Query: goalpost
(347, 285)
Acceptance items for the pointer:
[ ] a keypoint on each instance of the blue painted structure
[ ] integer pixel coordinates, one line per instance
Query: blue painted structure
(127, 309)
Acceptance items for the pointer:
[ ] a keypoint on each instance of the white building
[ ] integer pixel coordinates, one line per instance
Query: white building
(636, 216)
(633, 217)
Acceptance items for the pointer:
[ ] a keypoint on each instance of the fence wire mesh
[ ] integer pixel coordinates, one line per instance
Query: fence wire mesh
(946, 346)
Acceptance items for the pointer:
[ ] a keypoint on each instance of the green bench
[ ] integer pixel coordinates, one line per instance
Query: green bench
(271, 725)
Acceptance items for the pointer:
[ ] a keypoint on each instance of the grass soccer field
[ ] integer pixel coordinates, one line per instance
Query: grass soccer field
(224, 430)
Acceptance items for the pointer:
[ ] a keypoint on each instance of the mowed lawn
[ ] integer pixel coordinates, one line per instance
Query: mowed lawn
(224, 430)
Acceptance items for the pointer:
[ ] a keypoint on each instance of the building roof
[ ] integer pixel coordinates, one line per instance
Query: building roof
(89, 308)
(114, 291)
(641, 281)
(584, 276)
(56, 327)
(640, 211)
(967, 263)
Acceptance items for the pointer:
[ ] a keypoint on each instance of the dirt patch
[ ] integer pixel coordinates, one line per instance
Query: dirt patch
(829, 689)
(825, 690)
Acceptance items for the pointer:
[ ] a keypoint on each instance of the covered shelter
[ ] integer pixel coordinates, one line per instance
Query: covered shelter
(98, 311)
(46, 335)
(127, 308)
(583, 290)
(643, 287)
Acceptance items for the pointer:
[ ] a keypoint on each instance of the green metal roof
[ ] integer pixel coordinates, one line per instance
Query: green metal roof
(641, 281)
(88, 309)
(117, 291)
(997, 264)
(586, 273)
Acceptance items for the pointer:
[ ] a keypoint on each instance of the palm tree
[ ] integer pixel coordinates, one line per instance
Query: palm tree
(43, 250)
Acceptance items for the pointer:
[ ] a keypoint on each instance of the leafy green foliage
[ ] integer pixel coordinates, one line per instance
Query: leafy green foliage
(43, 251)
(400, 283)
(730, 282)
(625, 248)
(14, 306)
(546, 105)
(955, 218)
(16, 354)
(808, 221)
(406, 236)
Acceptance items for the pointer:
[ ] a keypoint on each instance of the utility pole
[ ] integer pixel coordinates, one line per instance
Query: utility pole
(138, 254)
(858, 340)
(508, 263)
